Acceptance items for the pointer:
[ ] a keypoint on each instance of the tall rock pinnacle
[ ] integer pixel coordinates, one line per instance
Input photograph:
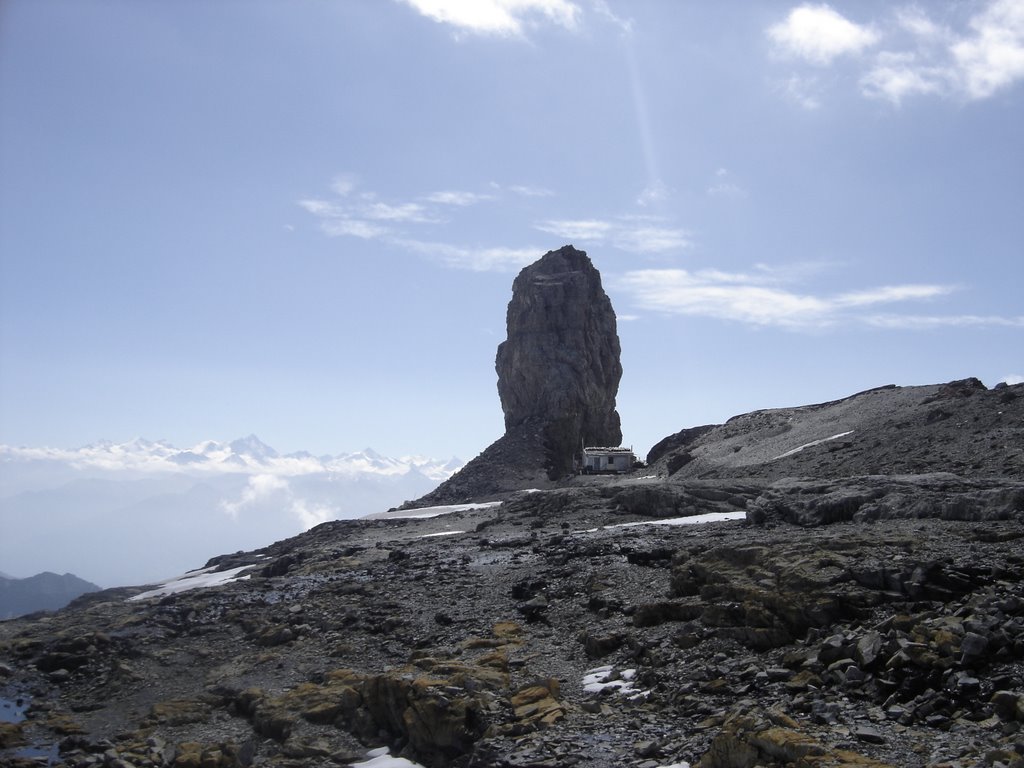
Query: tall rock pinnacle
(559, 369)
(558, 374)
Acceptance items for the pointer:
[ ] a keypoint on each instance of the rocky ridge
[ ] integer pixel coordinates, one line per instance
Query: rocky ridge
(866, 609)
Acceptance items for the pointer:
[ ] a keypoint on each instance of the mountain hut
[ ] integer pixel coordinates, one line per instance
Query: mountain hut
(598, 460)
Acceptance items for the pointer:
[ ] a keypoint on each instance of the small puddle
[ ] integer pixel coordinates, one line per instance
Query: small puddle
(12, 710)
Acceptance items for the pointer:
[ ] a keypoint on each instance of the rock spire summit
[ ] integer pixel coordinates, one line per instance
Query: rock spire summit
(558, 375)
(559, 369)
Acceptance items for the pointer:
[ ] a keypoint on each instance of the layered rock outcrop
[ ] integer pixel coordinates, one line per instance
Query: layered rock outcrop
(558, 375)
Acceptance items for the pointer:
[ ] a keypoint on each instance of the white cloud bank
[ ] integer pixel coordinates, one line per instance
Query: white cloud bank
(818, 34)
(209, 499)
(761, 298)
(259, 488)
(992, 57)
(915, 55)
(505, 18)
(757, 299)
(264, 467)
(639, 234)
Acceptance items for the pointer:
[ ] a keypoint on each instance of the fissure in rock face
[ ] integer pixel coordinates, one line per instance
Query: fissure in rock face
(559, 369)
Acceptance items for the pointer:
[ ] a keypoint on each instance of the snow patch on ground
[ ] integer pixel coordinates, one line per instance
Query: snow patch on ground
(707, 517)
(425, 512)
(811, 444)
(381, 758)
(604, 678)
(439, 533)
(200, 579)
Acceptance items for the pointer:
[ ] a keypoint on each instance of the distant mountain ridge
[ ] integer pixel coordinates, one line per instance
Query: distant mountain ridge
(43, 592)
(244, 454)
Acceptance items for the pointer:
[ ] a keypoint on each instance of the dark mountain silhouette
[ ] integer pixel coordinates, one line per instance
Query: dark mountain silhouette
(43, 592)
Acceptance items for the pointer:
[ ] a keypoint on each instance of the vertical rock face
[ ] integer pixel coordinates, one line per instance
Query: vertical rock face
(559, 369)
(558, 374)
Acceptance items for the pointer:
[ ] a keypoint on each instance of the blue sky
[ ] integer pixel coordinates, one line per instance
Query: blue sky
(302, 219)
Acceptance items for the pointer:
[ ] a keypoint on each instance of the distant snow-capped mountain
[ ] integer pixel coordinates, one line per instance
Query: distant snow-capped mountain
(145, 510)
(246, 454)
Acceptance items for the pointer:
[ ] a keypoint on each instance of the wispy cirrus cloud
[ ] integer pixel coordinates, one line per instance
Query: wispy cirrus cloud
(336, 220)
(758, 298)
(591, 230)
(525, 190)
(642, 234)
(338, 226)
(482, 259)
(971, 58)
(915, 21)
(898, 75)
(602, 9)
(928, 322)
(414, 225)
(458, 198)
(503, 18)
(400, 212)
(411, 224)
(724, 186)
(802, 90)
(651, 237)
(363, 214)
(344, 184)
(366, 219)
(653, 194)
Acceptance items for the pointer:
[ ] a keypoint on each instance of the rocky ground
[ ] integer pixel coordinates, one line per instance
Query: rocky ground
(814, 618)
